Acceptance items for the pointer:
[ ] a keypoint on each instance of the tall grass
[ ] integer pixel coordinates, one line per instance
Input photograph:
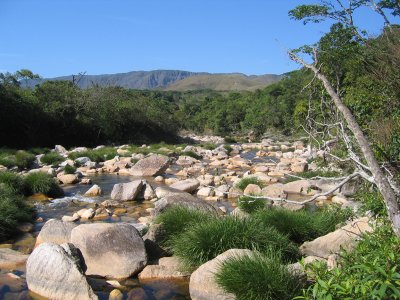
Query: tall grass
(13, 211)
(13, 182)
(177, 219)
(301, 226)
(244, 182)
(250, 205)
(52, 158)
(204, 241)
(43, 183)
(258, 277)
(98, 155)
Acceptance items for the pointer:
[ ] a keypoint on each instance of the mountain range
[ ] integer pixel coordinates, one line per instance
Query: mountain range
(172, 80)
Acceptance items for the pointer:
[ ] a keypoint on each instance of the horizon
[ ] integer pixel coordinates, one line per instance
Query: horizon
(99, 37)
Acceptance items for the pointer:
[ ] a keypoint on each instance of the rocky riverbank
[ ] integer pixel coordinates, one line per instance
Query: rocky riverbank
(70, 252)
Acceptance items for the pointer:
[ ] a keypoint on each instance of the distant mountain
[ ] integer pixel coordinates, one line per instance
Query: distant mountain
(172, 80)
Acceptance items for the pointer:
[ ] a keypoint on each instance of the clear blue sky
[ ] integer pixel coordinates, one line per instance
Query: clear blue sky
(63, 37)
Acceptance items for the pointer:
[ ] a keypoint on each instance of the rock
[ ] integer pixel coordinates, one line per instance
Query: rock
(186, 161)
(163, 191)
(151, 166)
(171, 180)
(185, 200)
(54, 272)
(126, 191)
(68, 178)
(299, 167)
(345, 237)
(202, 284)
(114, 251)
(252, 189)
(167, 268)
(82, 160)
(60, 149)
(153, 238)
(55, 231)
(274, 191)
(94, 191)
(116, 294)
(339, 200)
(86, 181)
(297, 187)
(159, 179)
(26, 227)
(188, 185)
(73, 218)
(205, 192)
(88, 214)
(111, 203)
(10, 259)
(222, 191)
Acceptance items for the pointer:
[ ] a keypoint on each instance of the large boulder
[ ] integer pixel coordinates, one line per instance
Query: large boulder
(274, 191)
(54, 271)
(164, 191)
(345, 238)
(151, 166)
(297, 187)
(185, 200)
(94, 191)
(188, 185)
(11, 259)
(68, 178)
(202, 282)
(110, 250)
(55, 231)
(126, 191)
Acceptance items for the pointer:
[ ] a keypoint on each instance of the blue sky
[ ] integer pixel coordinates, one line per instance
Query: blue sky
(63, 37)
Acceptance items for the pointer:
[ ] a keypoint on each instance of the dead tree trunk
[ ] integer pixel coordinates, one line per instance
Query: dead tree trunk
(381, 181)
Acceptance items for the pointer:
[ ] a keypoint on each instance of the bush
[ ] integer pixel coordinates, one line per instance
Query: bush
(52, 158)
(177, 219)
(13, 211)
(24, 159)
(7, 160)
(68, 169)
(98, 155)
(301, 226)
(244, 182)
(230, 140)
(251, 205)
(371, 271)
(12, 181)
(39, 182)
(257, 276)
(202, 242)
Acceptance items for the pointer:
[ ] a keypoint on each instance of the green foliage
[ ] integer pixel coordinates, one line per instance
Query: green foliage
(68, 169)
(39, 182)
(244, 182)
(228, 149)
(52, 158)
(209, 146)
(24, 159)
(204, 241)
(13, 211)
(250, 205)
(312, 174)
(13, 182)
(372, 201)
(98, 155)
(230, 140)
(191, 154)
(303, 225)
(370, 272)
(177, 219)
(258, 277)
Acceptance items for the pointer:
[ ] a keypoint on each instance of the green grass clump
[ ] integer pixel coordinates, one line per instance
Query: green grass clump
(301, 226)
(39, 182)
(68, 169)
(230, 140)
(244, 182)
(258, 277)
(13, 211)
(202, 242)
(12, 181)
(251, 205)
(228, 149)
(98, 155)
(24, 159)
(52, 158)
(209, 146)
(177, 219)
(191, 154)
(38, 150)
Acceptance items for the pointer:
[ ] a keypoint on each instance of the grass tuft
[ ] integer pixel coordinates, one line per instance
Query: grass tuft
(251, 205)
(68, 169)
(52, 158)
(13, 182)
(98, 155)
(257, 276)
(244, 182)
(24, 159)
(39, 182)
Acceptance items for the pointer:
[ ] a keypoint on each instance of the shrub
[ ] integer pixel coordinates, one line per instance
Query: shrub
(24, 159)
(52, 158)
(13, 211)
(301, 226)
(244, 182)
(257, 276)
(13, 182)
(192, 154)
(7, 160)
(177, 219)
(230, 140)
(372, 201)
(38, 150)
(98, 155)
(251, 205)
(204, 241)
(371, 271)
(39, 182)
(68, 169)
